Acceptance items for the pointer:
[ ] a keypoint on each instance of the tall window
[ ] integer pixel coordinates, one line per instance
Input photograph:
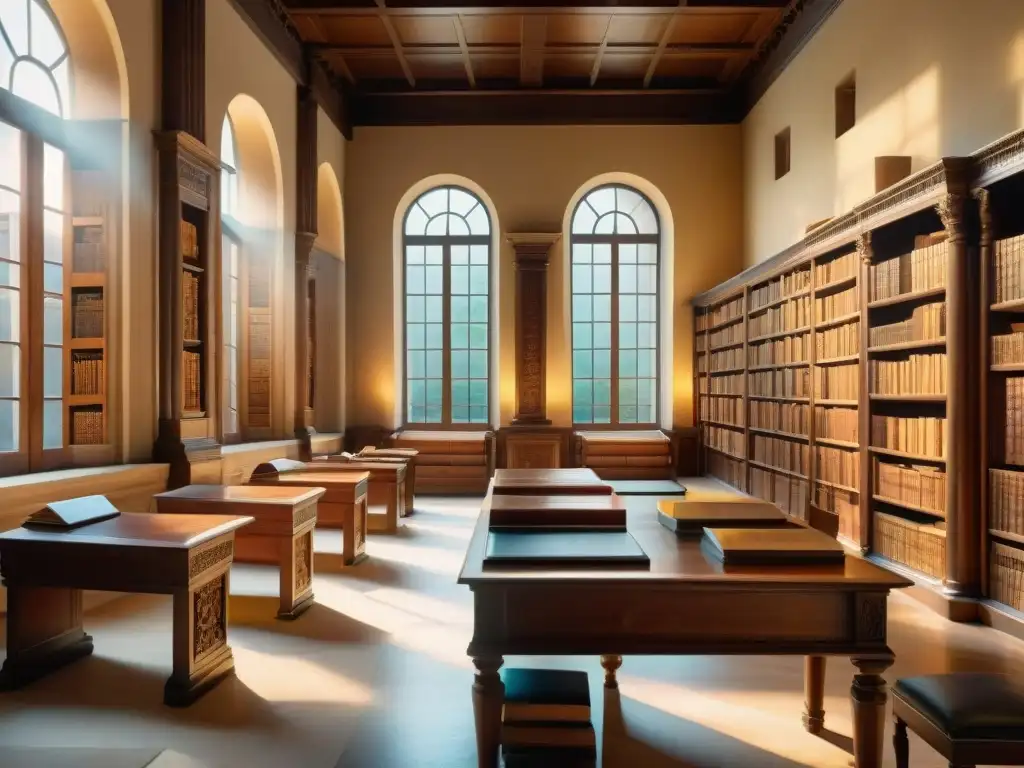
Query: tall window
(36, 289)
(231, 283)
(447, 309)
(614, 240)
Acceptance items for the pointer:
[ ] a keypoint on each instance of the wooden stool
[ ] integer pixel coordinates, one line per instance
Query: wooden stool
(969, 719)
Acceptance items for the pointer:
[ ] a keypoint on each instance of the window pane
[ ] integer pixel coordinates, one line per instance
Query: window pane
(9, 426)
(603, 307)
(602, 278)
(460, 336)
(457, 226)
(478, 364)
(478, 254)
(10, 370)
(602, 392)
(582, 364)
(602, 200)
(581, 307)
(460, 392)
(478, 309)
(415, 280)
(53, 179)
(602, 335)
(414, 255)
(10, 315)
(53, 320)
(434, 311)
(461, 202)
(583, 392)
(434, 367)
(438, 226)
(602, 363)
(602, 414)
(583, 221)
(581, 278)
(53, 371)
(434, 392)
(460, 280)
(460, 255)
(435, 201)
(45, 44)
(10, 168)
(415, 309)
(53, 278)
(478, 392)
(53, 424)
(478, 336)
(435, 280)
(478, 280)
(460, 363)
(415, 221)
(435, 336)
(416, 336)
(478, 221)
(33, 83)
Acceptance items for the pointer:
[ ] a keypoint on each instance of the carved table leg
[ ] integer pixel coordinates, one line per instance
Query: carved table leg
(814, 694)
(869, 695)
(296, 575)
(611, 663)
(44, 632)
(353, 535)
(202, 656)
(488, 696)
(900, 743)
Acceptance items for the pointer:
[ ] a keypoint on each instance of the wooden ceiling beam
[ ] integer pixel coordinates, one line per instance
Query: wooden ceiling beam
(460, 33)
(666, 35)
(396, 43)
(596, 71)
(484, 6)
(680, 50)
(532, 42)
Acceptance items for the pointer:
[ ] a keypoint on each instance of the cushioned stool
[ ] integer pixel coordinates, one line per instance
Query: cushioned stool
(970, 719)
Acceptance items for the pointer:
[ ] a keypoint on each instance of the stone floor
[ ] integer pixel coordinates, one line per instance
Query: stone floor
(376, 676)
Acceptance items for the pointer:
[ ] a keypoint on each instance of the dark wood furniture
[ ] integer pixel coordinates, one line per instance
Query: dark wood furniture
(813, 611)
(186, 556)
(540, 482)
(627, 454)
(281, 534)
(449, 462)
(343, 505)
(969, 719)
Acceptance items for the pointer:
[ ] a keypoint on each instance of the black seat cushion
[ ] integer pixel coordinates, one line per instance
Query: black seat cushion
(968, 706)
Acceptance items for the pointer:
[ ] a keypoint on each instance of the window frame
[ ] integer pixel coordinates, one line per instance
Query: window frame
(446, 241)
(614, 241)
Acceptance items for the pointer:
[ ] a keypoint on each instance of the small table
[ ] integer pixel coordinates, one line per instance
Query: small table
(369, 453)
(387, 487)
(186, 556)
(540, 482)
(281, 535)
(343, 504)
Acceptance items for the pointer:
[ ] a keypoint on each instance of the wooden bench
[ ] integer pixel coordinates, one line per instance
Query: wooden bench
(627, 455)
(450, 462)
(281, 534)
(186, 556)
(343, 505)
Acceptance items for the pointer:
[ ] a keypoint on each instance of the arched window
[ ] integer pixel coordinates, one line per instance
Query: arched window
(33, 55)
(447, 244)
(615, 241)
(231, 283)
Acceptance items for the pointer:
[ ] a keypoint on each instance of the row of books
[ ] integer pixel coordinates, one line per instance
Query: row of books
(728, 410)
(791, 349)
(1007, 266)
(785, 317)
(919, 270)
(727, 470)
(791, 455)
(88, 254)
(189, 241)
(836, 465)
(836, 423)
(728, 440)
(1006, 575)
(87, 314)
(837, 382)
(731, 334)
(919, 545)
(925, 323)
(837, 269)
(190, 306)
(837, 305)
(787, 493)
(787, 382)
(1008, 348)
(727, 359)
(838, 342)
(723, 313)
(786, 285)
(921, 487)
(546, 719)
(918, 374)
(1006, 501)
(842, 503)
(1014, 441)
(191, 382)
(921, 435)
(724, 385)
(793, 418)
(87, 373)
(86, 426)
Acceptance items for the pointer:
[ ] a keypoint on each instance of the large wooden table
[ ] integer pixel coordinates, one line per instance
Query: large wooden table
(538, 482)
(685, 604)
(281, 535)
(186, 556)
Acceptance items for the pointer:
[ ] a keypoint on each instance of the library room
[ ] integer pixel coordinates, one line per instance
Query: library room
(393, 384)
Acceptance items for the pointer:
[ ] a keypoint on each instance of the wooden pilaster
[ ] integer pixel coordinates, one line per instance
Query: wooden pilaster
(305, 237)
(531, 262)
(184, 67)
(865, 254)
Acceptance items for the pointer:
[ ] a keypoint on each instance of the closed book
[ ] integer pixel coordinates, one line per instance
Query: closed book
(559, 548)
(690, 518)
(548, 734)
(550, 757)
(549, 695)
(779, 546)
(73, 513)
(587, 511)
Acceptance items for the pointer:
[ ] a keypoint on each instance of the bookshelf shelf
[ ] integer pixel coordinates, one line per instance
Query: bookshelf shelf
(726, 323)
(780, 334)
(778, 433)
(908, 506)
(1016, 538)
(731, 345)
(906, 298)
(779, 399)
(837, 321)
(833, 443)
(909, 398)
(732, 456)
(191, 267)
(838, 403)
(727, 371)
(88, 221)
(1007, 368)
(837, 486)
(1015, 306)
(797, 364)
(836, 286)
(720, 394)
(726, 424)
(778, 302)
(904, 455)
(779, 470)
(908, 345)
(838, 360)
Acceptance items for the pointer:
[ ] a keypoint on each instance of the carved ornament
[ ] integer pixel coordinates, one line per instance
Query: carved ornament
(303, 561)
(871, 617)
(951, 210)
(863, 245)
(209, 630)
(207, 558)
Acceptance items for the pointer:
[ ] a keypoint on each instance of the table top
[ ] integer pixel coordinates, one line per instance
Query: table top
(326, 478)
(392, 467)
(540, 482)
(135, 530)
(274, 495)
(677, 561)
(557, 502)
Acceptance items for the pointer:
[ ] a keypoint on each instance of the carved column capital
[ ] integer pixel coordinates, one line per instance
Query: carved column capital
(533, 248)
(863, 245)
(984, 212)
(951, 210)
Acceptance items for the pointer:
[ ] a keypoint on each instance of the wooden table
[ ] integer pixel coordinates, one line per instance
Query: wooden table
(539, 482)
(186, 556)
(685, 604)
(388, 484)
(281, 535)
(409, 454)
(343, 504)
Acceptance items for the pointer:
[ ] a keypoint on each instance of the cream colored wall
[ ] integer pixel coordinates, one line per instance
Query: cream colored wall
(934, 78)
(530, 174)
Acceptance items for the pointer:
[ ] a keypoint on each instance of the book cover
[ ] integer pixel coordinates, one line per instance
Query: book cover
(551, 695)
(781, 546)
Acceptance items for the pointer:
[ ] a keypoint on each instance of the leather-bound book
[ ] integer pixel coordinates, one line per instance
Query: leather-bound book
(545, 695)
(690, 518)
(553, 549)
(778, 546)
(73, 513)
(581, 511)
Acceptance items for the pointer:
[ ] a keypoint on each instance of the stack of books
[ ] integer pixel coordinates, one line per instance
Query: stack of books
(546, 719)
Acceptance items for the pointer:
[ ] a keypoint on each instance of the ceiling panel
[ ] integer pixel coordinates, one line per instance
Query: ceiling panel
(683, 67)
(568, 66)
(438, 67)
(618, 66)
(376, 67)
(569, 29)
(496, 67)
(492, 29)
(638, 29)
(426, 30)
(712, 27)
(353, 30)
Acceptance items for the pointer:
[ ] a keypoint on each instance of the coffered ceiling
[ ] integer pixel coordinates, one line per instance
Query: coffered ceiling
(624, 61)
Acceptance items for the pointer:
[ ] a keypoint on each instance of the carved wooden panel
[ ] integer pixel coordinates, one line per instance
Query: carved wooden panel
(303, 561)
(533, 451)
(209, 617)
(194, 183)
(531, 263)
(205, 559)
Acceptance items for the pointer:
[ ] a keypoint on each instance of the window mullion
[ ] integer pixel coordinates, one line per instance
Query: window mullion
(615, 334)
(32, 296)
(446, 333)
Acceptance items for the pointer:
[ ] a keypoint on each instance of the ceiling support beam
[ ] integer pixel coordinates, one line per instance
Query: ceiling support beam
(449, 7)
(666, 35)
(460, 33)
(674, 51)
(596, 71)
(396, 42)
(533, 40)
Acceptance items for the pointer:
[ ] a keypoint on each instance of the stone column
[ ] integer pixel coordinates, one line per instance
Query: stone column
(531, 263)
